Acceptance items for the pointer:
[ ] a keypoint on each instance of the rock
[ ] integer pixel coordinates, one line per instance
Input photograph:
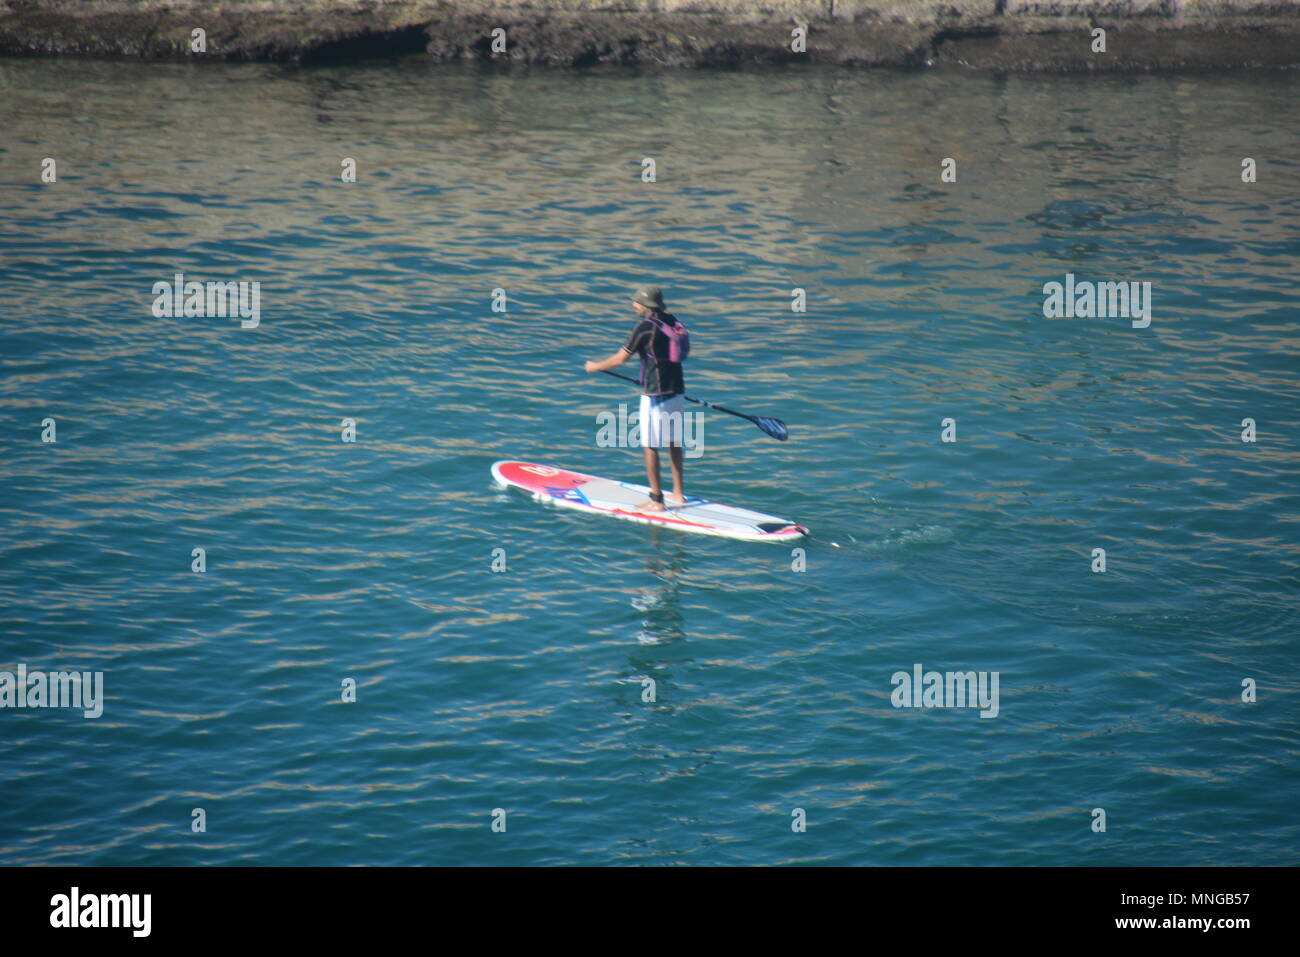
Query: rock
(1023, 35)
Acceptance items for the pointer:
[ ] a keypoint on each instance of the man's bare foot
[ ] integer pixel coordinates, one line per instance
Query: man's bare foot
(670, 501)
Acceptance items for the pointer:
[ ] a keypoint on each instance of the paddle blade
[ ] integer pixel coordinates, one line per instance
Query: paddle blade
(773, 427)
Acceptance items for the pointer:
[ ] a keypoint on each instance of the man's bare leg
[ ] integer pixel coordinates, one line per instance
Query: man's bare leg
(678, 498)
(652, 479)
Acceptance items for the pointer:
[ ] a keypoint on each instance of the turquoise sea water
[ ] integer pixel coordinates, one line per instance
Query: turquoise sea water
(522, 689)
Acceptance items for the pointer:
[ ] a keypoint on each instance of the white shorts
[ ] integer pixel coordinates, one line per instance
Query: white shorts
(661, 423)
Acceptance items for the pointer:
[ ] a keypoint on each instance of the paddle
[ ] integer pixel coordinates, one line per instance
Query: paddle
(773, 427)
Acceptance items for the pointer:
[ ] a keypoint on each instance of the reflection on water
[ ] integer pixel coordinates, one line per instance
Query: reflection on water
(660, 604)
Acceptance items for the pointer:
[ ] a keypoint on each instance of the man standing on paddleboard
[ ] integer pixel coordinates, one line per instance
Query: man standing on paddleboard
(662, 343)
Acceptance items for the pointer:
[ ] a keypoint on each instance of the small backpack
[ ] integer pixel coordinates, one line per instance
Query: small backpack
(679, 340)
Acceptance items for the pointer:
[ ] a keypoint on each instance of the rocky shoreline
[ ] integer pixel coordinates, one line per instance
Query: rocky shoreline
(999, 35)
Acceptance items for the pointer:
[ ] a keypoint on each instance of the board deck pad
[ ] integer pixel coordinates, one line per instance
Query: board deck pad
(602, 496)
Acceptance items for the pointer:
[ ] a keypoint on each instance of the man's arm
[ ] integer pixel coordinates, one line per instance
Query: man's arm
(617, 359)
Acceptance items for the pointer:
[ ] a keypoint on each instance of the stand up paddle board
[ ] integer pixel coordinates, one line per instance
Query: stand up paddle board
(602, 496)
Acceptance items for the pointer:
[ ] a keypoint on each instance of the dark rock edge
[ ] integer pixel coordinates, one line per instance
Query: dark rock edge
(998, 42)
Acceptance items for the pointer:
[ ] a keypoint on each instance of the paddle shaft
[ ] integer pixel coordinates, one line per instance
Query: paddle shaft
(710, 405)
